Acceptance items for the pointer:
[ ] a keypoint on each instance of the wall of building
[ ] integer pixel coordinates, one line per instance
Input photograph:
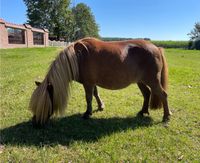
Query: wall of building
(28, 35)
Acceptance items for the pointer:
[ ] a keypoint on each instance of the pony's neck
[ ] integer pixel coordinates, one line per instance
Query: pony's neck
(65, 66)
(62, 71)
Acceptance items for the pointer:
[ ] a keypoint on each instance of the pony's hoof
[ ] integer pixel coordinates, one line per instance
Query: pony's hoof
(86, 116)
(101, 108)
(142, 113)
(166, 119)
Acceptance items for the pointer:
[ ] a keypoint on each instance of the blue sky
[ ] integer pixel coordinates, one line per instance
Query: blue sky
(155, 19)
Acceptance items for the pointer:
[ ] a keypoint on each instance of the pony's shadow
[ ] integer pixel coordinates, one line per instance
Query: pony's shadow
(70, 129)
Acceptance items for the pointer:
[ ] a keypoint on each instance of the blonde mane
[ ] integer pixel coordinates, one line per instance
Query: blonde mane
(62, 71)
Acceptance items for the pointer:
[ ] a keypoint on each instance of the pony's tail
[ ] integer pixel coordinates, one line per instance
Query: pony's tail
(155, 101)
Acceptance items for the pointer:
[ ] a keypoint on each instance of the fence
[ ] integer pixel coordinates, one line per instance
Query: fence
(58, 43)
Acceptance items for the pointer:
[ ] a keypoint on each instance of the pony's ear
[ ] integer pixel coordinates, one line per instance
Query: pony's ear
(37, 83)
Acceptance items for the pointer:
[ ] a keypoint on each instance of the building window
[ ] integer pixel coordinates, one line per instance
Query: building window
(38, 38)
(16, 36)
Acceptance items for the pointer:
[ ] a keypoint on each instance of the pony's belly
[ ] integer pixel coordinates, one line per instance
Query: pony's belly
(114, 83)
(113, 87)
(116, 78)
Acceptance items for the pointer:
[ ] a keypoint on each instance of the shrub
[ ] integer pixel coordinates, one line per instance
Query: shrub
(195, 44)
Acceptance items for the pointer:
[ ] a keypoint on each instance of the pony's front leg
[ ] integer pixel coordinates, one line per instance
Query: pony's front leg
(88, 95)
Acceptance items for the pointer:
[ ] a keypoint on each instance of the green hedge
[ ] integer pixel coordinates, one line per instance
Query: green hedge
(164, 44)
(179, 44)
(172, 44)
(194, 44)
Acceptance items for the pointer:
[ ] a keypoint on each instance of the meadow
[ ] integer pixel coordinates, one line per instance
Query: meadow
(115, 135)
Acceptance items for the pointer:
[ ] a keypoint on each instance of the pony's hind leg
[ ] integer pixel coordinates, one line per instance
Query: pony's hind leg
(98, 99)
(146, 94)
(88, 95)
(161, 93)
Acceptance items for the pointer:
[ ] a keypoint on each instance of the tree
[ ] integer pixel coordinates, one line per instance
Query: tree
(195, 33)
(61, 20)
(55, 15)
(85, 22)
(195, 37)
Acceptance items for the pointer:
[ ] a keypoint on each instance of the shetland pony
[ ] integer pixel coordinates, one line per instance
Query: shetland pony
(111, 65)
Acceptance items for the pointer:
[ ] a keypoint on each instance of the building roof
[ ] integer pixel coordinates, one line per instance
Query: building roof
(22, 26)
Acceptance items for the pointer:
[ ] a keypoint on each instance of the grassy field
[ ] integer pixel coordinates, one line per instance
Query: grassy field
(114, 135)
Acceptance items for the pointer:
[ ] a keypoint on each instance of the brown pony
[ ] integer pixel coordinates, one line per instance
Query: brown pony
(110, 65)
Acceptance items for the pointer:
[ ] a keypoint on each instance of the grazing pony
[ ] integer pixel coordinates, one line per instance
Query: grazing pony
(111, 65)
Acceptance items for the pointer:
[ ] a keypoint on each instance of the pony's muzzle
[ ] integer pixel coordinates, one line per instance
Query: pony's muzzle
(37, 124)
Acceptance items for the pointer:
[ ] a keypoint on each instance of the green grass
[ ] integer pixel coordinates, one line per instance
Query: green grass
(114, 135)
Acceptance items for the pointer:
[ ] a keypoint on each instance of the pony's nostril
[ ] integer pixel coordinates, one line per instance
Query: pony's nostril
(35, 123)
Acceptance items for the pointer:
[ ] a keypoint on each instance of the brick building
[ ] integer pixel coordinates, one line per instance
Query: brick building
(14, 36)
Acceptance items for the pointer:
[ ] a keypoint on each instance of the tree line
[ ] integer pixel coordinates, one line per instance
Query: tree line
(64, 21)
(194, 42)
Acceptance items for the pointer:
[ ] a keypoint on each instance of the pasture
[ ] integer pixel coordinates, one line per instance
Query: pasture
(114, 135)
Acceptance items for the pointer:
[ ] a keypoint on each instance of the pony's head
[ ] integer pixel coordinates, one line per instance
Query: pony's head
(51, 96)
(41, 103)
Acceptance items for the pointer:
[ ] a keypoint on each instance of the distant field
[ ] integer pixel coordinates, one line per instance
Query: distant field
(172, 44)
(161, 43)
(114, 135)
